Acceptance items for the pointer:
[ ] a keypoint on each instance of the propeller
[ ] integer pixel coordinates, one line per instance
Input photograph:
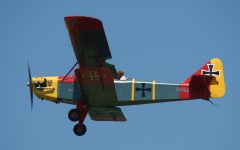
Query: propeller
(29, 84)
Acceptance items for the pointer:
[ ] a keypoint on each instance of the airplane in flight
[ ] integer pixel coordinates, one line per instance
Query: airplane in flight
(98, 89)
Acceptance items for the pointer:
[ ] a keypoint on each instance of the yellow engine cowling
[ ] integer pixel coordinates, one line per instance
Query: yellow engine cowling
(45, 87)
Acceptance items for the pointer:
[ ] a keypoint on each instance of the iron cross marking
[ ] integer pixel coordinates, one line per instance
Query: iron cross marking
(210, 71)
(143, 89)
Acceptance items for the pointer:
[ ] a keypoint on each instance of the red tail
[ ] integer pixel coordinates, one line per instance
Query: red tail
(198, 83)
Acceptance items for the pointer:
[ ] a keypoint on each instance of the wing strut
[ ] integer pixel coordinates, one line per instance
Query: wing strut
(69, 71)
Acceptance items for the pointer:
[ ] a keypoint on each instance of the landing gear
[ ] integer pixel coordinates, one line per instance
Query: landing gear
(74, 115)
(79, 130)
(79, 114)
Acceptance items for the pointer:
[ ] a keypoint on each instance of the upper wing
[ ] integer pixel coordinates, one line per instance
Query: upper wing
(88, 40)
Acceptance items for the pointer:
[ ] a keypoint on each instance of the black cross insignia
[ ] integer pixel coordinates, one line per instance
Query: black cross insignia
(143, 89)
(210, 71)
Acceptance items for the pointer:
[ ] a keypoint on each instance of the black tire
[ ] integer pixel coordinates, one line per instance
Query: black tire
(74, 115)
(79, 130)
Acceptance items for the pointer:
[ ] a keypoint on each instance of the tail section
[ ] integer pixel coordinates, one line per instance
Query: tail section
(207, 82)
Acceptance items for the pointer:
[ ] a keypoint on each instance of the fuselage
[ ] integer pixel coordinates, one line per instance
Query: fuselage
(128, 92)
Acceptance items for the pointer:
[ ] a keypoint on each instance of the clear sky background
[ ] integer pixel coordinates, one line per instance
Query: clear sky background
(164, 40)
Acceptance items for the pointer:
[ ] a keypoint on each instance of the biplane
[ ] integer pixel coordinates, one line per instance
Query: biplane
(96, 88)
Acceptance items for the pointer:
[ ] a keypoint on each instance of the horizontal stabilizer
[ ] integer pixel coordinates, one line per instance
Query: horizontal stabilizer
(106, 114)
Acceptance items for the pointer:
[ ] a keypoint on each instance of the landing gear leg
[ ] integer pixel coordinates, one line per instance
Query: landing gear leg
(80, 129)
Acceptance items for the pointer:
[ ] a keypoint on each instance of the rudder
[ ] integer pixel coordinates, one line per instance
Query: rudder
(218, 90)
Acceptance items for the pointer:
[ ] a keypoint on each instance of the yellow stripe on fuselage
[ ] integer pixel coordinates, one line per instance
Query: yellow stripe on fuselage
(133, 90)
(153, 90)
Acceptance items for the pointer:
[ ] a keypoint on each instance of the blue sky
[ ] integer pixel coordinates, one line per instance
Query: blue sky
(162, 40)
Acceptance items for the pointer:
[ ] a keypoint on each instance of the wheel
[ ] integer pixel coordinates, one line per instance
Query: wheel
(79, 130)
(74, 115)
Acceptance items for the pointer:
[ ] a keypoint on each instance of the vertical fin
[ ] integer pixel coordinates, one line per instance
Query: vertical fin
(208, 79)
